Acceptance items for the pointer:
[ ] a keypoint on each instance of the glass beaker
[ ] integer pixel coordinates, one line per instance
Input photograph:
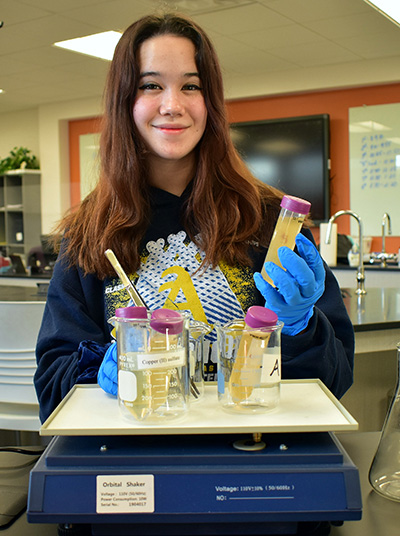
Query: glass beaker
(152, 363)
(197, 332)
(384, 474)
(249, 362)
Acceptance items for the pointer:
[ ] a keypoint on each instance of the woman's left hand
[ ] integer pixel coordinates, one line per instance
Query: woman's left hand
(298, 287)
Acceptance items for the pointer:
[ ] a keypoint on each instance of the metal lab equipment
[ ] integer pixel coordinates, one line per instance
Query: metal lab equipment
(360, 271)
(186, 476)
(384, 475)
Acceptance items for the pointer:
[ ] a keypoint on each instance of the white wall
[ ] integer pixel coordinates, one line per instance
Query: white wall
(54, 154)
(19, 129)
(45, 132)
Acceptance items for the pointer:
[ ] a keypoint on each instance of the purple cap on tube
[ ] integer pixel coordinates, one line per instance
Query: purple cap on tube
(166, 320)
(295, 204)
(131, 313)
(260, 317)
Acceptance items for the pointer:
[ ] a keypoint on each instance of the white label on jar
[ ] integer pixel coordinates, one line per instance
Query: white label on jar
(271, 367)
(124, 494)
(127, 385)
(154, 360)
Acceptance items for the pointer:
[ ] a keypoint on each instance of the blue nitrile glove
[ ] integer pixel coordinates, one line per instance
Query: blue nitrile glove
(297, 288)
(107, 376)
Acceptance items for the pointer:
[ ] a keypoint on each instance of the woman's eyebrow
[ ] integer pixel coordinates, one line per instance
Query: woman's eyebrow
(149, 73)
(157, 73)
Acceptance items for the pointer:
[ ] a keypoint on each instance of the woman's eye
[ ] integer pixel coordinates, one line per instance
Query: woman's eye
(149, 85)
(191, 87)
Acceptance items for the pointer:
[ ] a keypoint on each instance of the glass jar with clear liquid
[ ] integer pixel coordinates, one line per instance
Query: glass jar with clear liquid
(384, 474)
(152, 363)
(290, 219)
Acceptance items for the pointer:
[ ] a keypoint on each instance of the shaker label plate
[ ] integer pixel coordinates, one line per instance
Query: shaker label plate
(116, 494)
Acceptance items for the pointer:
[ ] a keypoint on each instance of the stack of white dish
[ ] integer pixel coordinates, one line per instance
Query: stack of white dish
(19, 327)
(16, 377)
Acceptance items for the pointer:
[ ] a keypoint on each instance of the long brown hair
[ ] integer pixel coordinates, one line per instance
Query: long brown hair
(227, 207)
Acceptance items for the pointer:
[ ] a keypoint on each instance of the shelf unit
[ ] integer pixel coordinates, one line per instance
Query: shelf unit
(20, 211)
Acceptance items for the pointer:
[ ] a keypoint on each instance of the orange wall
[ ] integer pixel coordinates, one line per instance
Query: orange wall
(336, 103)
(78, 128)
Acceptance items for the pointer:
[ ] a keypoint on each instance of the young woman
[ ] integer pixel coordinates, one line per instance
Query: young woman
(187, 221)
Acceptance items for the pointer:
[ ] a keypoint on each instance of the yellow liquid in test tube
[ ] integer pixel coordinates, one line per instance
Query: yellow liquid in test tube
(246, 373)
(156, 382)
(291, 218)
(247, 368)
(165, 356)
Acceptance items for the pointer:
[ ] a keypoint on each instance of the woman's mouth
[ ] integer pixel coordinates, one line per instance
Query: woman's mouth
(171, 129)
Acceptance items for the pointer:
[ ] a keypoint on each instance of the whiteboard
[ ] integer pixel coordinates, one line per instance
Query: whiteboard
(374, 133)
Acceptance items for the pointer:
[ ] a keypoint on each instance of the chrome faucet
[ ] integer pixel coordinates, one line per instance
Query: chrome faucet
(360, 271)
(385, 223)
(383, 257)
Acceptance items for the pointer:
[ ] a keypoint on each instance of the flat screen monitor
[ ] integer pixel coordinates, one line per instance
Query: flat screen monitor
(291, 154)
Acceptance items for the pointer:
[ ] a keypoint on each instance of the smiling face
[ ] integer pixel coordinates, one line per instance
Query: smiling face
(169, 110)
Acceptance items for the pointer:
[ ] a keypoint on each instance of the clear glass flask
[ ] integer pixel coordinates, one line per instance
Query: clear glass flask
(384, 474)
(290, 219)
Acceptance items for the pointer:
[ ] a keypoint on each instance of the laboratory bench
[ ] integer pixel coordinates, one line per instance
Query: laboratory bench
(376, 320)
(16, 293)
(22, 280)
(380, 516)
(376, 276)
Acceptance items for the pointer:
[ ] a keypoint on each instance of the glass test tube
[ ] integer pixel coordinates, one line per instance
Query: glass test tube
(246, 373)
(290, 219)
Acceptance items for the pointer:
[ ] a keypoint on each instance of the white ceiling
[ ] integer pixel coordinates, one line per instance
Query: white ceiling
(265, 46)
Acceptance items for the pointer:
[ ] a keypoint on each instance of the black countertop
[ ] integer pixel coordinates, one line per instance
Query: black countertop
(378, 309)
(391, 267)
(21, 294)
(26, 276)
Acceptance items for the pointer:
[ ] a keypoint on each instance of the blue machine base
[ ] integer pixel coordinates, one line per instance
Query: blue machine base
(119, 485)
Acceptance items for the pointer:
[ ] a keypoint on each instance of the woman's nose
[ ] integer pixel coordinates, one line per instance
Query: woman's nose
(171, 103)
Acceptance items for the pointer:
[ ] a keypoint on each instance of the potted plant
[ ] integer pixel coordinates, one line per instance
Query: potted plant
(19, 158)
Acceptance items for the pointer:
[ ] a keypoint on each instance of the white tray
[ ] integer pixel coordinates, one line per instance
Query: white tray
(305, 406)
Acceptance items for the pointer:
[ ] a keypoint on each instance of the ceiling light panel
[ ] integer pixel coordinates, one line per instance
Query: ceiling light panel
(389, 8)
(100, 45)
